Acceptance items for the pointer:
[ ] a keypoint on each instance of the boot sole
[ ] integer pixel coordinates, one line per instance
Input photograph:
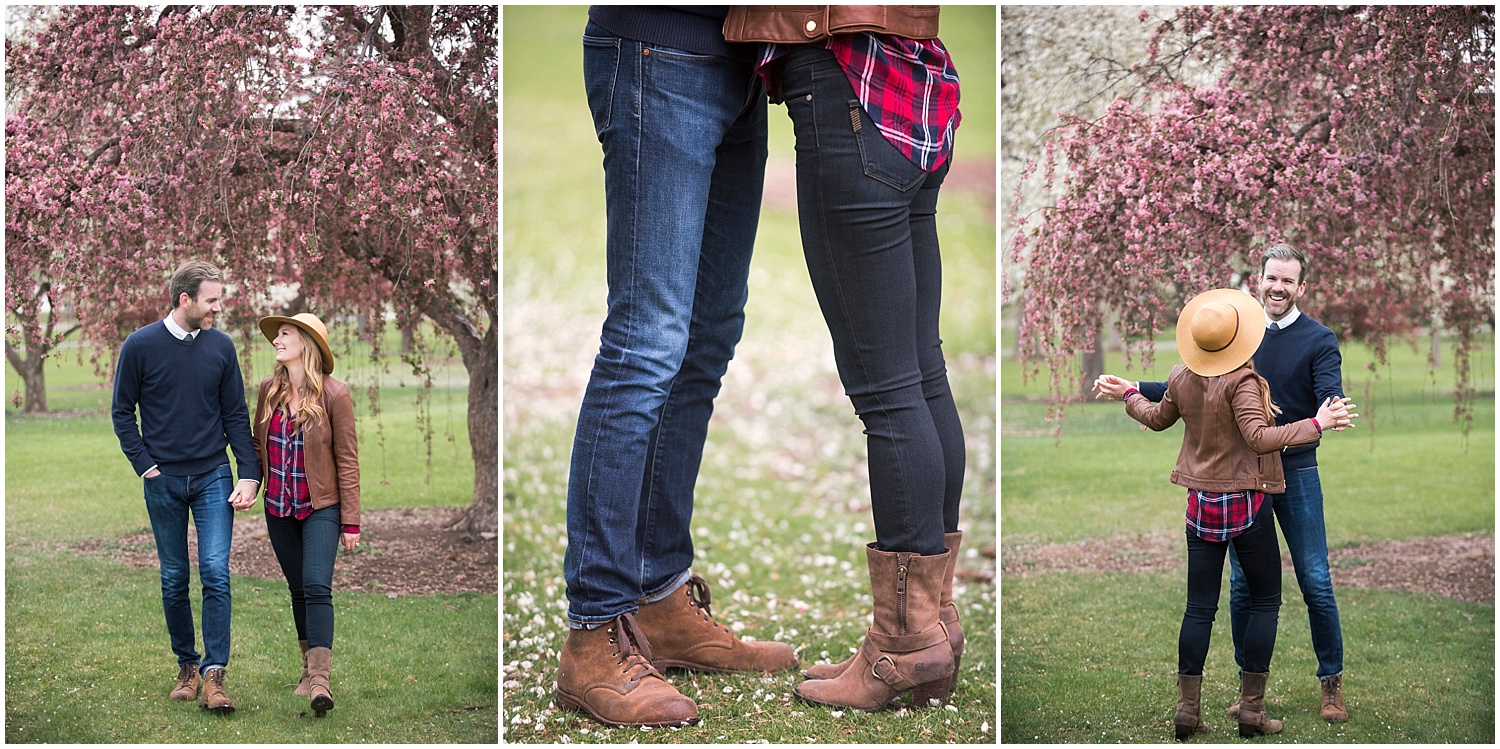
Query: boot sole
(322, 704)
(222, 710)
(917, 693)
(565, 701)
(662, 665)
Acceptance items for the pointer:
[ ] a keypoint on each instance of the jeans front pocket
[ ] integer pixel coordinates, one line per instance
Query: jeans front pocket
(601, 72)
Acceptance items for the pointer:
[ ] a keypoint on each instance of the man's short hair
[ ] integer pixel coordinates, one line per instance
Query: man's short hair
(189, 276)
(1284, 251)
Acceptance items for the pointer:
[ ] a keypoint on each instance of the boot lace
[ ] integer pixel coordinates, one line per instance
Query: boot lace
(632, 650)
(700, 598)
(185, 675)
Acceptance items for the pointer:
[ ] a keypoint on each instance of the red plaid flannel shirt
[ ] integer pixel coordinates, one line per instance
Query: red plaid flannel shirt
(1214, 516)
(909, 88)
(287, 495)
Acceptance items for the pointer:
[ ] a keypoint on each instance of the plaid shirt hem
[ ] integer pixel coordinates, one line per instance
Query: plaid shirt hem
(909, 88)
(287, 495)
(1220, 516)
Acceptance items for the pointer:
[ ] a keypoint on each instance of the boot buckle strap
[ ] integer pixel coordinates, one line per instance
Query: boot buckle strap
(892, 671)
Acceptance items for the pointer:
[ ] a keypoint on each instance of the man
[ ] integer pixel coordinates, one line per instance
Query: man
(184, 378)
(1300, 359)
(681, 117)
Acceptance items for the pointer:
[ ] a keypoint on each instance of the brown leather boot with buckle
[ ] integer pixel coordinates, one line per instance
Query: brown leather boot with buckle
(187, 683)
(684, 634)
(213, 697)
(907, 645)
(607, 673)
(304, 685)
(319, 668)
(948, 614)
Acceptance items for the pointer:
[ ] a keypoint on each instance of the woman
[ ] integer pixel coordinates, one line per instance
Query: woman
(873, 99)
(304, 437)
(1229, 461)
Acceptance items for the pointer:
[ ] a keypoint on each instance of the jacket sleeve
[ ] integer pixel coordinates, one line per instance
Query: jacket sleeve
(127, 394)
(1157, 416)
(1261, 436)
(258, 429)
(345, 455)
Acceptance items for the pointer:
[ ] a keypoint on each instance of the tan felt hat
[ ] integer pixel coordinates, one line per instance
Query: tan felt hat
(1219, 330)
(308, 322)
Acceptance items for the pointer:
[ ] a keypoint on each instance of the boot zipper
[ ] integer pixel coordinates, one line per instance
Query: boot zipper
(902, 560)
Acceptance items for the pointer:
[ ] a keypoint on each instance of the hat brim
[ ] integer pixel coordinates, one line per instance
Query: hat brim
(270, 326)
(1249, 332)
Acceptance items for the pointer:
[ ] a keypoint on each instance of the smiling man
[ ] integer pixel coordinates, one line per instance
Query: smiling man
(184, 378)
(1299, 357)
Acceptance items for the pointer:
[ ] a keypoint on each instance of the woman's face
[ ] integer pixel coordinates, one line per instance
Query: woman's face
(288, 344)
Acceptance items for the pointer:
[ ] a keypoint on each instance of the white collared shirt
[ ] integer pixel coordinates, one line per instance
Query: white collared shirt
(177, 331)
(1290, 318)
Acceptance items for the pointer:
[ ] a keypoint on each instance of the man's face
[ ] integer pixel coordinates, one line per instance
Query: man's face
(1281, 285)
(200, 312)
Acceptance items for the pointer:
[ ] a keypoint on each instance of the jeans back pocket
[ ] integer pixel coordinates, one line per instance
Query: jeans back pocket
(882, 161)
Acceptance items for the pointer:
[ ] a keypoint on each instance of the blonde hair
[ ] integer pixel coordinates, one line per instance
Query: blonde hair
(1265, 395)
(280, 392)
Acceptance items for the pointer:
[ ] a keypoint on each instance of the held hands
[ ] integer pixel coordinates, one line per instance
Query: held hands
(1335, 414)
(1111, 387)
(243, 496)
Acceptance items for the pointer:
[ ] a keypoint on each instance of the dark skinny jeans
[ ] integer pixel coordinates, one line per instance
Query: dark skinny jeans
(1260, 558)
(306, 550)
(869, 233)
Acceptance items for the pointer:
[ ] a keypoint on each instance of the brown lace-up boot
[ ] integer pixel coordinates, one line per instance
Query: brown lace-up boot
(213, 697)
(683, 633)
(187, 683)
(948, 614)
(319, 671)
(1253, 720)
(303, 685)
(1333, 709)
(907, 646)
(607, 673)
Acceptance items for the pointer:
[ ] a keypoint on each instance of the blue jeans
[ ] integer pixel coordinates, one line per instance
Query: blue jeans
(1257, 545)
(169, 500)
(869, 234)
(1299, 512)
(306, 549)
(684, 140)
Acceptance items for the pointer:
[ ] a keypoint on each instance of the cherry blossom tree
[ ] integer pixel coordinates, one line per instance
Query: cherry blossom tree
(1362, 135)
(341, 160)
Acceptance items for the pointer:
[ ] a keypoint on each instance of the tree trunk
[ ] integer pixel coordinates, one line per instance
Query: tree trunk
(483, 515)
(1437, 345)
(33, 377)
(1092, 364)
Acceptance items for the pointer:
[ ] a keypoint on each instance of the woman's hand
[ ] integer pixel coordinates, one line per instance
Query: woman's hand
(1334, 414)
(350, 540)
(1112, 387)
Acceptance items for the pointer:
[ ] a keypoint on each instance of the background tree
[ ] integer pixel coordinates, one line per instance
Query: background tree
(1363, 135)
(343, 158)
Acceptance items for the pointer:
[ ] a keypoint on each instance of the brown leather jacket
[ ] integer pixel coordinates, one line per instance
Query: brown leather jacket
(798, 24)
(1228, 446)
(330, 449)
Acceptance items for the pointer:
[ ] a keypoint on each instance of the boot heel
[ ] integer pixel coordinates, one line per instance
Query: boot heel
(922, 695)
(1248, 730)
(1183, 730)
(953, 680)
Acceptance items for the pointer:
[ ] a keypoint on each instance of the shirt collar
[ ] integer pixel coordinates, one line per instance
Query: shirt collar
(1290, 318)
(177, 331)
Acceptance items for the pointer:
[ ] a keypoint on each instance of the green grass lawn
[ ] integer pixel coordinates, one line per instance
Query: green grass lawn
(1419, 668)
(782, 505)
(87, 657)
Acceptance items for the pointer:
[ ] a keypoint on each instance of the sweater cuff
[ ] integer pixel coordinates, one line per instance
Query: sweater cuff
(349, 529)
(1129, 393)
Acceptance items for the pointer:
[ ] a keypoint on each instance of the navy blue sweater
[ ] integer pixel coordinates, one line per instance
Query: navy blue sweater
(1303, 367)
(192, 403)
(691, 28)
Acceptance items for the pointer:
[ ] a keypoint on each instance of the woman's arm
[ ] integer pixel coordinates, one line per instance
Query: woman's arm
(345, 455)
(1156, 416)
(1261, 435)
